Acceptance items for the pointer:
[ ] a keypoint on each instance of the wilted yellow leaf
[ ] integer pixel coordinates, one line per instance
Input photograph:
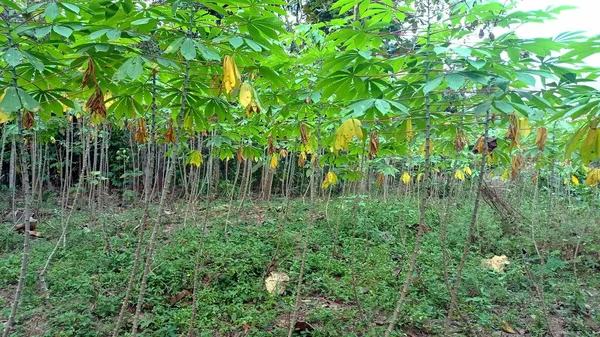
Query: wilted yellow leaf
(301, 159)
(422, 150)
(590, 146)
(468, 170)
(231, 75)
(405, 178)
(507, 328)
(195, 158)
(420, 176)
(3, 117)
(459, 175)
(410, 134)
(330, 179)
(346, 132)
(505, 175)
(246, 94)
(274, 161)
(524, 128)
(496, 263)
(380, 179)
(276, 282)
(593, 177)
(575, 180)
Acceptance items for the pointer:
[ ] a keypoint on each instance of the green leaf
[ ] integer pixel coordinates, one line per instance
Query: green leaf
(253, 45)
(174, 46)
(483, 107)
(71, 7)
(62, 30)
(383, 106)
(28, 102)
(455, 81)
(113, 34)
(429, 86)
(127, 6)
(98, 33)
(11, 101)
(34, 61)
(42, 32)
(13, 57)
(463, 51)
(361, 106)
(504, 107)
(477, 64)
(52, 11)
(574, 141)
(236, 42)
(135, 68)
(188, 49)
(140, 22)
(207, 53)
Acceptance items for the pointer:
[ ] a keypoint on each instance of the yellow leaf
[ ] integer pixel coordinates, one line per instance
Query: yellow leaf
(276, 282)
(507, 328)
(346, 132)
(380, 179)
(330, 179)
(3, 117)
(459, 175)
(108, 101)
(274, 161)
(524, 128)
(231, 75)
(468, 170)
(422, 150)
(588, 149)
(593, 177)
(301, 159)
(420, 176)
(496, 263)
(406, 178)
(195, 158)
(505, 175)
(575, 180)
(410, 133)
(246, 94)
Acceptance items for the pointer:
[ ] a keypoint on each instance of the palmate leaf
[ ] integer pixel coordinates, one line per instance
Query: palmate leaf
(574, 141)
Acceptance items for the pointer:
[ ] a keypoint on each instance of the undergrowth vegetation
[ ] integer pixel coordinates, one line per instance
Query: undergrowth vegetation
(356, 261)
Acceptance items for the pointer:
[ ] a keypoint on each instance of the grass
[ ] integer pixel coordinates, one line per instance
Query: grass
(370, 256)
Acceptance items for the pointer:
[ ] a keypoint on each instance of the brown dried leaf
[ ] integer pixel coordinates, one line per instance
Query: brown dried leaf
(141, 132)
(373, 144)
(518, 162)
(304, 134)
(28, 120)
(460, 141)
(179, 296)
(240, 154)
(271, 147)
(541, 137)
(513, 131)
(170, 134)
(89, 76)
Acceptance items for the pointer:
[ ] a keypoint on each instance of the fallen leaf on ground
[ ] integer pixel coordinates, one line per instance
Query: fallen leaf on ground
(276, 282)
(179, 296)
(496, 263)
(507, 328)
